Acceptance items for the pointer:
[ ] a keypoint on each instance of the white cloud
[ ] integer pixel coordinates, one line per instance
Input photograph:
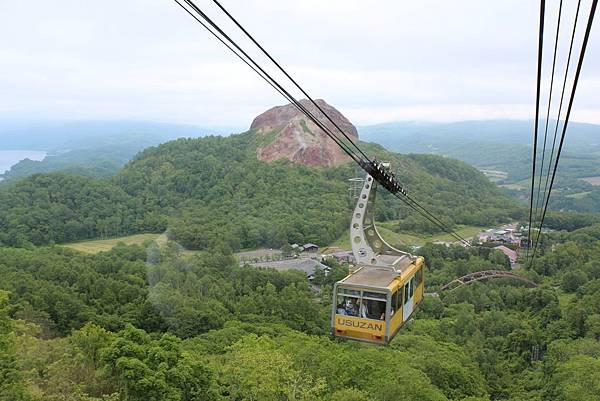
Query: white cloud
(146, 59)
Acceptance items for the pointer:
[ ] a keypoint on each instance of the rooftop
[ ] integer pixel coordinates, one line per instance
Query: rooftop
(308, 266)
(372, 276)
(512, 255)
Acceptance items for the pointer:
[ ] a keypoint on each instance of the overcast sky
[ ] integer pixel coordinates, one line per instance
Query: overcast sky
(376, 61)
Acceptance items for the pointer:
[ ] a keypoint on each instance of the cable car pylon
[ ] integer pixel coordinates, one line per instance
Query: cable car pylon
(372, 303)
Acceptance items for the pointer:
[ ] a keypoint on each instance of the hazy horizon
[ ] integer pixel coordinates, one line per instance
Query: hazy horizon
(50, 120)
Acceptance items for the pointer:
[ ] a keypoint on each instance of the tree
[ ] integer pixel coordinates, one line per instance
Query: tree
(156, 370)
(257, 370)
(572, 280)
(11, 385)
(287, 250)
(350, 394)
(577, 379)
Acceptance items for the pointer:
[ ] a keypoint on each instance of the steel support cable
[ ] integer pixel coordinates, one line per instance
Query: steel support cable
(439, 222)
(426, 214)
(256, 68)
(537, 199)
(242, 58)
(537, 114)
(414, 205)
(231, 49)
(435, 219)
(568, 115)
(234, 20)
(299, 105)
(562, 95)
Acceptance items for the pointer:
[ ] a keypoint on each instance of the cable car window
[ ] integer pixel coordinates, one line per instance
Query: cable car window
(349, 291)
(407, 295)
(348, 305)
(412, 286)
(394, 306)
(419, 277)
(372, 309)
(373, 305)
(377, 295)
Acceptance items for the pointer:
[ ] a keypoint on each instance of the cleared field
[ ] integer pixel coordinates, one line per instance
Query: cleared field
(393, 238)
(104, 245)
(578, 195)
(592, 180)
(516, 187)
(464, 231)
(494, 175)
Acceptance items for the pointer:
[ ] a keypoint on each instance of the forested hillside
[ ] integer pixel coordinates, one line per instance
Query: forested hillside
(143, 323)
(213, 190)
(57, 207)
(149, 322)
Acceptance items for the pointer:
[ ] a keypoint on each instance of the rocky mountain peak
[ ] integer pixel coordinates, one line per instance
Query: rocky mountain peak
(285, 132)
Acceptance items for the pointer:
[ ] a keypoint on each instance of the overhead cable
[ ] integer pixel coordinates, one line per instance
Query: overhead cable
(375, 169)
(537, 114)
(568, 114)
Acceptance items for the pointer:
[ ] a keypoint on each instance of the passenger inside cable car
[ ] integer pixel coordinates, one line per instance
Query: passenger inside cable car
(372, 304)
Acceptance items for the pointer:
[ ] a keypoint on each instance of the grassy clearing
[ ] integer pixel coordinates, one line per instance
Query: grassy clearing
(516, 187)
(578, 195)
(494, 175)
(591, 180)
(393, 238)
(463, 231)
(104, 245)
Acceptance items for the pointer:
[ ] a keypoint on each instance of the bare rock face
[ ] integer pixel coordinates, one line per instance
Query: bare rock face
(287, 133)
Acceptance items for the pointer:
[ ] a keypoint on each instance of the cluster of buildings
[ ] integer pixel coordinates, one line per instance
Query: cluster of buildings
(509, 239)
(308, 265)
(509, 234)
(511, 254)
(309, 248)
(506, 239)
(307, 258)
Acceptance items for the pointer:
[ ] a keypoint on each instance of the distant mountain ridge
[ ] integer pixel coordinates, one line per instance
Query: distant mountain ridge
(51, 135)
(503, 149)
(491, 144)
(418, 137)
(88, 148)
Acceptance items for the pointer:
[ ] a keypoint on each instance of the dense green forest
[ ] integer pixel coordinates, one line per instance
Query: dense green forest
(47, 208)
(211, 191)
(147, 323)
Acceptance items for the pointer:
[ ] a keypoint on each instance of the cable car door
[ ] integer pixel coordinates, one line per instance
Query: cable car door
(408, 300)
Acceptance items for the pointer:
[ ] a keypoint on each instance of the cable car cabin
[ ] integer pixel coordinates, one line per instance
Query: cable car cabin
(381, 292)
(372, 303)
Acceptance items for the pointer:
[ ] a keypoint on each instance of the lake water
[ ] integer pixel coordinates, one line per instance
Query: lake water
(9, 158)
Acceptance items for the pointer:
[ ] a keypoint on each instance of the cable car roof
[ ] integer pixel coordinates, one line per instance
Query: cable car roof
(400, 263)
(371, 277)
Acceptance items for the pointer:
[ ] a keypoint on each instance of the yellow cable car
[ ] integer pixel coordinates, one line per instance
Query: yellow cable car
(385, 286)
